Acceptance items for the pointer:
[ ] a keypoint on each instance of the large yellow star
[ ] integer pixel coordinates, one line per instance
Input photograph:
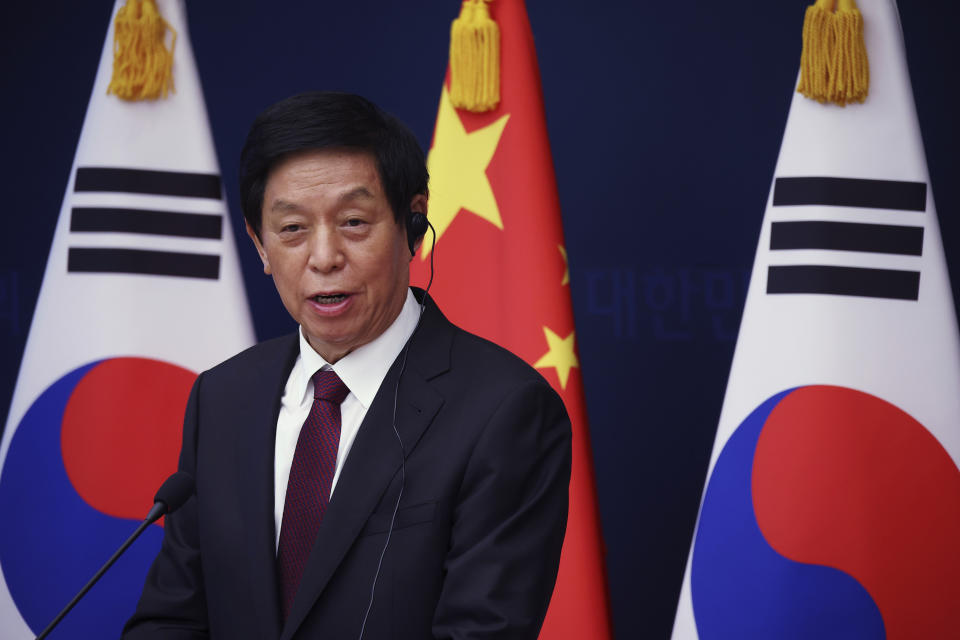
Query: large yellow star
(458, 170)
(560, 355)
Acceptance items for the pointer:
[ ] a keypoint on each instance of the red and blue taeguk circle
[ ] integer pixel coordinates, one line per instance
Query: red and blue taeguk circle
(830, 513)
(79, 476)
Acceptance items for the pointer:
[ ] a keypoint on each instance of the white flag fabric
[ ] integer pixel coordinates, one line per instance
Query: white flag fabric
(142, 290)
(832, 503)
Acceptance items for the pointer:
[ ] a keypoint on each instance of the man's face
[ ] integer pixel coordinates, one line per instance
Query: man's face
(338, 258)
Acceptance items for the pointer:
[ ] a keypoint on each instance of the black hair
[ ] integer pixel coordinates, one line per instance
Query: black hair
(331, 120)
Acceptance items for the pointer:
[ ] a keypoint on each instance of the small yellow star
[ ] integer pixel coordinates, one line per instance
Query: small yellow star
(566, 266)
(560, 356)
(458, 170)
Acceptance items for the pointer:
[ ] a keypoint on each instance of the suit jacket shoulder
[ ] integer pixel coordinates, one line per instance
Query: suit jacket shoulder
(263, 362)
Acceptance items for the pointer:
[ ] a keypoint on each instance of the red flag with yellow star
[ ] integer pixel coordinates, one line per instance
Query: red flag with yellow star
(501, 272)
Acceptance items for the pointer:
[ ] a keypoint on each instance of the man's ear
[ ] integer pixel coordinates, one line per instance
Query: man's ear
(419, 205)
(259, 246)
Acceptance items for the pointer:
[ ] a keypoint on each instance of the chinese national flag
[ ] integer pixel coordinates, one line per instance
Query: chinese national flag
(501, 272)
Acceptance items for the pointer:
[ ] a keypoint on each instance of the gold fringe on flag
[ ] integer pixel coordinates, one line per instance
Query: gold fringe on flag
(833, 64)
(853, 70)
(142, 65)
(475, 58)
(817, 37)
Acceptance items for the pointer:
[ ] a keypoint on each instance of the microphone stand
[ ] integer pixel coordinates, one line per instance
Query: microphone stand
(158, 510)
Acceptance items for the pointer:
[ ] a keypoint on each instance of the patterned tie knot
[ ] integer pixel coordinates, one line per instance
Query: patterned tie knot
(328, 386)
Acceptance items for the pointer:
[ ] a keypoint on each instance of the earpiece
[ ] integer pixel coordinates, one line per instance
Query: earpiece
(416, 228)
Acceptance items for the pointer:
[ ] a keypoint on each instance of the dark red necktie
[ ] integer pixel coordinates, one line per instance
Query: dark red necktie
(308, 489)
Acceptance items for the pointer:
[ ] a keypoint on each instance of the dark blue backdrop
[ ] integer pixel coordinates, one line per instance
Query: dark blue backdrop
(665, 120)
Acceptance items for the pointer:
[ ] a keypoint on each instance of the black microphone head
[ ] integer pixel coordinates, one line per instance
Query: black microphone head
(175, 491)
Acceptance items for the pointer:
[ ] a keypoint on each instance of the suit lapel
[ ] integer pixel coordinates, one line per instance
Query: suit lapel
(262, 390)
(375, 456)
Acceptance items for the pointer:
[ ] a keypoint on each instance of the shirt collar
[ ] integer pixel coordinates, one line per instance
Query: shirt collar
(364, 368)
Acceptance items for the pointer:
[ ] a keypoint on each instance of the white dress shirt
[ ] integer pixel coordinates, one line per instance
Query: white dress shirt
(362, 370)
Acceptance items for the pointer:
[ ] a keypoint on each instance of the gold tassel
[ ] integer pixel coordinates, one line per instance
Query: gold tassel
(142, 65)
(833, 64)
(852, 75)
(817, 42)
(475, 58)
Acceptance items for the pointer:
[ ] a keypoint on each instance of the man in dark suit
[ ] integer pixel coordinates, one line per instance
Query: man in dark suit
(380, 472)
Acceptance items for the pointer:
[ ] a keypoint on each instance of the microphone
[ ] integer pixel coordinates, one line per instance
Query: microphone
(170, 496)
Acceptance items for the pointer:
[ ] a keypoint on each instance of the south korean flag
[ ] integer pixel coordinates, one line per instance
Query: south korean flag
(142, 290)
(832, 502)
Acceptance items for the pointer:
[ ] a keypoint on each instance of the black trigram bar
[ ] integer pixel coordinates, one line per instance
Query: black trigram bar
(850, 192)
(157, 263)
(163, 223)
(847, 236)
(844, 281)
(161, 183)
